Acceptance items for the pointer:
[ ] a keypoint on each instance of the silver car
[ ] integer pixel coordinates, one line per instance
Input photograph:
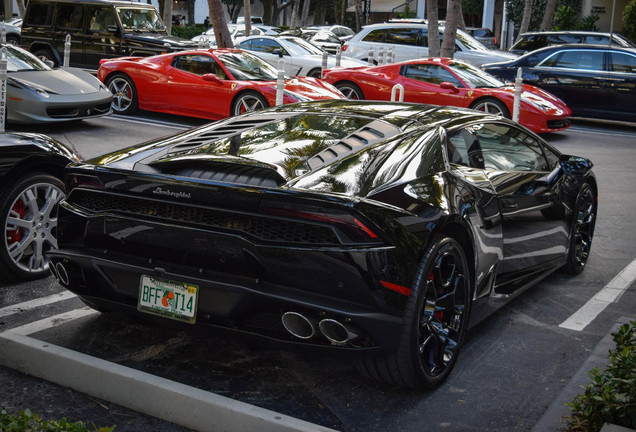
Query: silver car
(410, 41)
(36, 93)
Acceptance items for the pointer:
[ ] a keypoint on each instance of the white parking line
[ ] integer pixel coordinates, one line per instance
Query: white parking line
(53, 321)
(610, 293)
(32, 304)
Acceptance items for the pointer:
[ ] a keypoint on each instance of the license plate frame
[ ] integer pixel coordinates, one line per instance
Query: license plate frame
(168, 298)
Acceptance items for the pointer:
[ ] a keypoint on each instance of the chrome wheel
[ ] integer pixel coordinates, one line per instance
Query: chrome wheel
(350, 91)
(248, 102)
(30, 223)
(492, 106)
(124, 94)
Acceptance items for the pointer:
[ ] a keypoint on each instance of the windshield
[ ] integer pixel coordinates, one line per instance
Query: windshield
(470, 42)
(474, 77)
(140, 19)
(19, 60)
(248, 67)
(297, 46)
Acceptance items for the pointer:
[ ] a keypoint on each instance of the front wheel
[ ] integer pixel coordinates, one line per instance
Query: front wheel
(582, 230)
(315, 73)
(247, 102)
(492, 106)
(28, 210)
(350, 90)
(46, 55)
(125, 98)
(435, 321)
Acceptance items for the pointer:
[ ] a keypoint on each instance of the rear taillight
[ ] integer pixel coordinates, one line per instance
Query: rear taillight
(345, 223)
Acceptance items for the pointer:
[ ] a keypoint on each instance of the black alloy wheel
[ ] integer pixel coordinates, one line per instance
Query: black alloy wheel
(28, 211)
(582, 231)
(436, 319)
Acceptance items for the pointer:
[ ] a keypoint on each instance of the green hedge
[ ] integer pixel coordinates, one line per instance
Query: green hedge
(26, 421)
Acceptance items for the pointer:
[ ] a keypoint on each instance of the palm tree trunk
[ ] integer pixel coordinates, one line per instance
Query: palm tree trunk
(433, 28)
(450, 30)
(546, 24)
(217, 15)
(525, 21)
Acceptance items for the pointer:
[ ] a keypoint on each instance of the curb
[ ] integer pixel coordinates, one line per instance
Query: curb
(139, 391)
(552, 418)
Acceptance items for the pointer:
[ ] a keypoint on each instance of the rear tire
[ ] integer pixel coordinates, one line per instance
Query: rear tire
(435, 321)
(350, 90)
(28, 211)
(46, 54)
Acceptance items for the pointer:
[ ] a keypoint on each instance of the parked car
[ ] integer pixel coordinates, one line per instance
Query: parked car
(12, 32)
(237, 32)
(325, 40)
(410, 40)
(483, 35)
(343, 33)
(595, 81)
(531, 41)
(301, 58)
(31, 173)
(376, 229)
(98, 28)
(444, 81)
(37, 94)
(211, 84)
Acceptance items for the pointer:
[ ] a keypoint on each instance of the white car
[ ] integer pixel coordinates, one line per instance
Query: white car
(237, 32)
(300, 57)
(410, 41)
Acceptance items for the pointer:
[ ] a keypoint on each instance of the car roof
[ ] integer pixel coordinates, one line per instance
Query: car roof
(565, 32)
(587, 46)
(111, 2)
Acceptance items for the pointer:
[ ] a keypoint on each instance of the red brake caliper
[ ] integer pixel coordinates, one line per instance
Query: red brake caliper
(15, 235)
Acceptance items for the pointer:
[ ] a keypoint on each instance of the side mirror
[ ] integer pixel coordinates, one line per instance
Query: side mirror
(449, 86)
(279, 52)
(210, 77)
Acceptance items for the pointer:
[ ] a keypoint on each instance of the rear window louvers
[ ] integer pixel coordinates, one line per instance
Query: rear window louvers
(374, 132)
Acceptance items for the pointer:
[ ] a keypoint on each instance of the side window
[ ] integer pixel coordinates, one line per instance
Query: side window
(552, 157)
(506, 148)
(41, 15)
(198, 65)
(583, 59)
(266, 46)
(375, 36)
(70, 16)
(99, 18)
(404, 36)
(246, 45)
(622, 62)
(433, 74)
(464, 149)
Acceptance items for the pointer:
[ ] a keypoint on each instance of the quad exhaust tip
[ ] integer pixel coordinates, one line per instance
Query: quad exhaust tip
(336, 332)
(62, 274)
(299, 325)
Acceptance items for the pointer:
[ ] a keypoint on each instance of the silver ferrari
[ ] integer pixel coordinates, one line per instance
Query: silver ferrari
(36, 93)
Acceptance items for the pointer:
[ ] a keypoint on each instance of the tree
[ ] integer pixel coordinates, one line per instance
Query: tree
(433, 28)
(294, 14)
(221, 32)
(546, 24)
(21, 7)
(247, 14)
(167, 16)
(525, 22)
(305, 13)
(450, 29)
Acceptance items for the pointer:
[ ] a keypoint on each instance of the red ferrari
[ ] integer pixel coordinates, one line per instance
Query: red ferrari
(444, 81)
(211, 84)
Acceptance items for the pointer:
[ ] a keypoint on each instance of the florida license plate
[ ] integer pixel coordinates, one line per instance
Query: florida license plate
(169, 299)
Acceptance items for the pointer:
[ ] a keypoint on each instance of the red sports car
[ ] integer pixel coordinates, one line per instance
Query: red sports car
(444, 81)
(211, 84)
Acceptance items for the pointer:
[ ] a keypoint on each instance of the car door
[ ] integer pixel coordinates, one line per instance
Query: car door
(622, 76)
(70, 21)
(422, 84)
(578, 77)
(270, 51)
(187, 92)
(534, 224)
(102, 40)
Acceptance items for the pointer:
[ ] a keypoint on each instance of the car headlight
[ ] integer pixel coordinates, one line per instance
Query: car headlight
(536, 102)
(22, 85)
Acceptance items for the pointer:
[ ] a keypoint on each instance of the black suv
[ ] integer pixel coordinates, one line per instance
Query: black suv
(98, 28)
